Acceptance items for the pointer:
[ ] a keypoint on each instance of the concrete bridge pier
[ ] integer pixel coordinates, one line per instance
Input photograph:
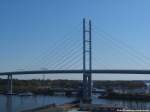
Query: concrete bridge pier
(10, 85)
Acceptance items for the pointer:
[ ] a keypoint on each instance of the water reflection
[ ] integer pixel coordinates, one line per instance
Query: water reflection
(16, 103)
(128, 104)
(8, 103)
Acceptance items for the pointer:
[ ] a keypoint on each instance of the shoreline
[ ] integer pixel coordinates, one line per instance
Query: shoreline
(76, 107)
(118, 96)
(53, 108)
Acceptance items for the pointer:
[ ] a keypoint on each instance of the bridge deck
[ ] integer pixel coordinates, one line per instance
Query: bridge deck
(104, 71)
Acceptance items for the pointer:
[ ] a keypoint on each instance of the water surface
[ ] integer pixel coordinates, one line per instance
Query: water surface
(18, 103)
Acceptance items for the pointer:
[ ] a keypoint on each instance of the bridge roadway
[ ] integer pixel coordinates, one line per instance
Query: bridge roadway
(96, 71)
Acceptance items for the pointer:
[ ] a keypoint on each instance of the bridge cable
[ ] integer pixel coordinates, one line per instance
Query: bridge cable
(131, 53)
(121, 51)
(63, 41)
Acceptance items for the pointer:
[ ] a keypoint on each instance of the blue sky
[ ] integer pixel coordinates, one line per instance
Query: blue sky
(34, 34)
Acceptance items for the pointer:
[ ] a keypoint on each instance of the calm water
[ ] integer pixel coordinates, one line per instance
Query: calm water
(124, 103)
(18, 103)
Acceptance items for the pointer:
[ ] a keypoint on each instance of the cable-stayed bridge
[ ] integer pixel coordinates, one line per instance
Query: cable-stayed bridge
(87, 65)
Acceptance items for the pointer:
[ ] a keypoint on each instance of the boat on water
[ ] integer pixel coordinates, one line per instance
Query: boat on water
(9, 93)
(25, 94)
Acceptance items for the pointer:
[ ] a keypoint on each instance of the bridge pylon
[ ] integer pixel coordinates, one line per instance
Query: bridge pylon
(87, 62)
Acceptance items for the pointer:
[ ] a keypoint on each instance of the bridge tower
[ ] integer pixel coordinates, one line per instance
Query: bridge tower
(87, 62)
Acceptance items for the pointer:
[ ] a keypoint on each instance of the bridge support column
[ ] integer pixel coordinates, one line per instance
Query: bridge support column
(10, 85)
(87, 89)
(87, 62)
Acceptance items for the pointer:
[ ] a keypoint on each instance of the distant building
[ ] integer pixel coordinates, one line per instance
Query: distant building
(130, 91)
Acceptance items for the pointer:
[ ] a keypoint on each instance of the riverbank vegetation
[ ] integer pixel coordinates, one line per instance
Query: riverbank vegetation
(33, 85)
